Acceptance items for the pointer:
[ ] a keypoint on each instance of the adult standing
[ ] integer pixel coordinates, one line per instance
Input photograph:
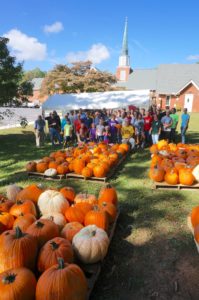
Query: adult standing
(174, 125)
(54, 128)
(39, 131)
(147, 126)
(166, 126)
(155, 129)
(184, 124)
(113, 128)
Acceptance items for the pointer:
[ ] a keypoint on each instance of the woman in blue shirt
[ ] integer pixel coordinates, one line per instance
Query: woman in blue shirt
(184, 124)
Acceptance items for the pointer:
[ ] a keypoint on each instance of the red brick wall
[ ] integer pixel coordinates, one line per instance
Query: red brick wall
(126, 69)
(178, 101)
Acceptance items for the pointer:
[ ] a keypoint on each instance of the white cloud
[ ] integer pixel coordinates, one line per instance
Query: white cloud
(54, 28)
(25, 47)
(97, 53)
(193, 57)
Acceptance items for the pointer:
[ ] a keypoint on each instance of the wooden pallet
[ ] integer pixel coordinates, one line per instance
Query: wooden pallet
(92, 271)
(41, 175)
(165, 186)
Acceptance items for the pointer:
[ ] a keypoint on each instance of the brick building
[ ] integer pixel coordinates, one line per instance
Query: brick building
(37, 98)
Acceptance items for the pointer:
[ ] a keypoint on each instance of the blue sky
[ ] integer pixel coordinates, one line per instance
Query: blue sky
(43, 33)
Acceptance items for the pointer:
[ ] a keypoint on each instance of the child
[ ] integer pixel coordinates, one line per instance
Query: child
(82, 135)
(107, 135)
(92, 133)
(100, 131)
(67, 134)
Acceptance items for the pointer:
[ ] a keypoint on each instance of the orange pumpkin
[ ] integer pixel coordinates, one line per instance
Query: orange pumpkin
(78, 165)
(97, 217)
(26, 207)
(108, 194)
(6, 219)
(31, 192)
(186, 177)
(195, 216)
(53, 165)
(84, 207)
(110, 209)
(68, 193)
(99, 171)
(157, 173)
(70, 230)
(5, 204)
(124, 146)
(171, 177)
(196, 233)
(46, 159)
(74, 214)
(41, 167)
(63, 168)
(90, 198)
(87, 172)
(31, 166)
(24, 221)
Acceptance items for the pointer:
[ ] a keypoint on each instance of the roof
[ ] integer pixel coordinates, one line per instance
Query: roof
(166, 79)
(99, 100)
(37, 82)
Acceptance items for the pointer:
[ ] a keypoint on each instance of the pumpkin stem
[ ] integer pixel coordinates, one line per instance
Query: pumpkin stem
(19, 202)
(51, 218)
(18, 232)
(60, 263)
(54, 245)
(40, 224)
(93, 233)
(10, 278)
(108, 186)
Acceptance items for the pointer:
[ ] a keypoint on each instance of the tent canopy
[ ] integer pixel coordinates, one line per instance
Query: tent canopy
(100, 100)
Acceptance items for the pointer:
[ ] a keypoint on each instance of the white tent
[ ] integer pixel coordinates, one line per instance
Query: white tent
(100, 100)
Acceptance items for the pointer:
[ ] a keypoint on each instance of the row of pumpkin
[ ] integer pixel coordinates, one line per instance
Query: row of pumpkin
(48, 232)
(87, 160)
(174, 163)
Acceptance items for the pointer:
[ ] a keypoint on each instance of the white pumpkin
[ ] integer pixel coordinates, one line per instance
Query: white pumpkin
(50, 172)
(91, 244)
(57, 218)
(195, 173)
(51, 202)
(11, 191)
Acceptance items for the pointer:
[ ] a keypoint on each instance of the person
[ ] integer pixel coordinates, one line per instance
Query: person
(174, 125)
(155, 129)
(64, 121)
(39, 131)
(147, 126)
(184, 124)
(113, 129)
(100, 130)
(82, 134)
(54, 128)
(142, 111)
(127, 132)
(139, 130)
(107, 135)
(68, 132)
(166, 126)
(88, 120)
(77, 124)
(92, 133)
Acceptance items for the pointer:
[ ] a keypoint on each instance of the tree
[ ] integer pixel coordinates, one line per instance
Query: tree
(78, 78)
(13, 90)
(35, 73)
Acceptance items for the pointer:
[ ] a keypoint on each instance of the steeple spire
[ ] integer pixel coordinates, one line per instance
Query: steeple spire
(125, 39)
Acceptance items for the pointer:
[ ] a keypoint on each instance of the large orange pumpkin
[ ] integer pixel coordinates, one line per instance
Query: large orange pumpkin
(62, 282)
(26, 207)
(74, 214)
(90, 198)
(97, 217)
(17, 249)
(157, 173)
(78, 165)
(99, 171)
(17, 284)
(69, 193)
(52, 250)
(41, 167)
(5, 204)
(24, 221)
(87, 172)
(84, 207)
(171, 177)
(31, 192)
(108, 194)
(70, 230)
(186, 177)
(63, 168)
(110, 209)
(195, 216)
(6, 219)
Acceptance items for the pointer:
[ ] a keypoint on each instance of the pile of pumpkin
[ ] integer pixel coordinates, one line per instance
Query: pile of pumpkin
(174, 163)
(193, 224)
(45, 234)
(86, 160)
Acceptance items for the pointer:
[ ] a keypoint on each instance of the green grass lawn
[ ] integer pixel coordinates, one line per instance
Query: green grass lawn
(152, 255)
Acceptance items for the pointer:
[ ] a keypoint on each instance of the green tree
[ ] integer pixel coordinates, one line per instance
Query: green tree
(13, 90)
(35, 73)
(78, 78)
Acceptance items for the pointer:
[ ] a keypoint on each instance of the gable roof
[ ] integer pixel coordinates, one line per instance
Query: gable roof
(166, 79)
(37, 82)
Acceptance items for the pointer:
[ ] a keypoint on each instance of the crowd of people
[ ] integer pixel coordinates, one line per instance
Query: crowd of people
(138, 127)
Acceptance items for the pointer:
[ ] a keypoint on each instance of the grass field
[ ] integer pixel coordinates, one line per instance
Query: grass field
(152, 255)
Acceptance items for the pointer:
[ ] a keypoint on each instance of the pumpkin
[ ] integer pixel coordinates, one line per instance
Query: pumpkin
(68, 193)
(90, 198)
(99, 171)
(162, 144)
(62, 282)
(31, 192)
(78, 165)
(196, 233)
(24, 221)
(110, 209)
(171, 177)
(124, 146)
(63, 168)
(74, 214)
(84, 207)
(43, 231)
(59, 160)
(87, 172)
(71, 166)
(50, 172)
(51, 202)
(157, 173)
(57, 218)
(31, 166)
(17, 249)
(6, 219)
(179, 165)
(153, 149)
(5, 204)
(70, 230)
(52, 250)
(156, 160)
(195, 216)
(53, 165)
(17, 284)
(41, 167)
(97, 217)
(12, 191)
(91, 244)
(186, 177)
(196, 173)
(26, 207)
(108, 194)
(46, 159)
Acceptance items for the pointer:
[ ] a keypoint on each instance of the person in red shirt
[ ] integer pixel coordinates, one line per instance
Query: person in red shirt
(147, 126)
(77, 124)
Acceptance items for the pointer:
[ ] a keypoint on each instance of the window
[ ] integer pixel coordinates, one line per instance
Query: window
(168, 99)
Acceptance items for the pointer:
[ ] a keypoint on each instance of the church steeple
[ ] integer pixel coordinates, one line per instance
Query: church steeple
(123, 70)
